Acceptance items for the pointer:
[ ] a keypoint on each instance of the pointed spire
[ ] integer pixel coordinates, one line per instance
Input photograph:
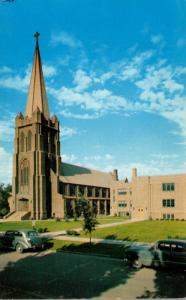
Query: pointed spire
(37, 93)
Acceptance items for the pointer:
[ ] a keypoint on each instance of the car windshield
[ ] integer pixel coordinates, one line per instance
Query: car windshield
(32, 233)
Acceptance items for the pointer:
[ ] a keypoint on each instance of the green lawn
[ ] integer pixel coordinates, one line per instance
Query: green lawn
(53, 225)
(144, 231)
(116, 251)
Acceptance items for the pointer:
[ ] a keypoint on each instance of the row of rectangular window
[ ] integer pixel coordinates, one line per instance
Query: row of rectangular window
(168, 187)
(168, 216)
(165, 187)
(122, 192)
(122, 204)
(73, 190)
(168, 203)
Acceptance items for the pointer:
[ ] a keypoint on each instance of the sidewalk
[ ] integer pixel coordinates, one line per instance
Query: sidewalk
(61, 235)
(55, 234)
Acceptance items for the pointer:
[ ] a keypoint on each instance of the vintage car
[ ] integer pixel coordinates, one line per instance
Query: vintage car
(164, 253)
(21, 240)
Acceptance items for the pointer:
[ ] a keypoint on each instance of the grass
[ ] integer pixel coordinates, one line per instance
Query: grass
(115, 251)
(53, 225)
(144, 231)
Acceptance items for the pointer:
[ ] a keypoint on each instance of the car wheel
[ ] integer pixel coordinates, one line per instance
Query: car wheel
(137, 263)
(19, 248)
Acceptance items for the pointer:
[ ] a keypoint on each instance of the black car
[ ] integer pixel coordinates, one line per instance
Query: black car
(164, 253)
(21, 240)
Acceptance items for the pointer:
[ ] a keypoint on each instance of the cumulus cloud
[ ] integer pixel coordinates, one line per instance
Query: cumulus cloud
(81, 80)
(49, 71)
(83, 116)
(13, 80)
(5, 69)
(156, 39)
(6, 166)
(69, 158)
(65, 39)
(16, 82)
(67, 131)
(7, 128)
(129, 72)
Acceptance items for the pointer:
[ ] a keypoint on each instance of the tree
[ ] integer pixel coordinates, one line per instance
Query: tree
(89, 218)
(5, 191)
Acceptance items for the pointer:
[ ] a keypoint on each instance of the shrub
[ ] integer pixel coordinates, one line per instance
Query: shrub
(42, 230)
(72, 232)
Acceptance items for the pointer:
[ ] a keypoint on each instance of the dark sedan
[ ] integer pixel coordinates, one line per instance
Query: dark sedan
(164, 253)
(21, 240)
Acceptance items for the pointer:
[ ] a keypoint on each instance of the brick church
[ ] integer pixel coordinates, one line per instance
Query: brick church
(43, 185)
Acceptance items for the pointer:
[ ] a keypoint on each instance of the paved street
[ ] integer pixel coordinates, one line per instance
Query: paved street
(63, 275)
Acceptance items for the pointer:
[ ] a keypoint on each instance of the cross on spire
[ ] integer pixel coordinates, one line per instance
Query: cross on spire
(36, 35)
(37, 98)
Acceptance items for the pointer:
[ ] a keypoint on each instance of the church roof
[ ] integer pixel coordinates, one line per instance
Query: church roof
(37, 98)
(84, 176)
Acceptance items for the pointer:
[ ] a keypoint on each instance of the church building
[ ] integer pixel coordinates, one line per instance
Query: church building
(43, 186)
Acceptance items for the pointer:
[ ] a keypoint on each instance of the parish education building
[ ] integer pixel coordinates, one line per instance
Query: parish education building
(44, 186)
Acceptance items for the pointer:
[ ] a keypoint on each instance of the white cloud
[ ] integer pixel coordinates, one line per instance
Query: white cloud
(6, 166)
(142, 57)
(64, 38)
(5, 69)
(178, 115)
(104, 77)
(67, 131)
(81, 80)
(83, 116)
(16, 82)
(165, 156)
(21, 82)
(108, 156)
(180, 70)
(7, 128)
(69, 158)
(98, 158)
(49, 71)
(173, 86)
(97, 100)
(157, 39)
(129, 72)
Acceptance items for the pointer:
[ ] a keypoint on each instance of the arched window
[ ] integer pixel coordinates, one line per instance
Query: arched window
(24, 173)
(22, 142)
(29, 141)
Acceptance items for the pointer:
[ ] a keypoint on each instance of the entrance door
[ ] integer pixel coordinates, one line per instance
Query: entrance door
(23, 205)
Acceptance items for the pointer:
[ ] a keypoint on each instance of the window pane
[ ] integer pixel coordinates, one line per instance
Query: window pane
(164, 203)
(164, 187)
(172, 203)
(172, 186)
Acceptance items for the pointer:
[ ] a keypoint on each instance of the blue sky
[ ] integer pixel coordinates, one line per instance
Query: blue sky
(115, 73)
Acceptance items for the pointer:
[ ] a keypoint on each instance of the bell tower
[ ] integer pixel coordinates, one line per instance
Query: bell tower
(36, 149)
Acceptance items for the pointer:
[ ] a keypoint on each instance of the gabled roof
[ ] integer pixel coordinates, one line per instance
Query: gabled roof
(84, 176)
(37, 98)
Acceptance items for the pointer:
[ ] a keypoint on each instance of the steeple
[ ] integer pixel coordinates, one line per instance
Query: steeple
(37, 98)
